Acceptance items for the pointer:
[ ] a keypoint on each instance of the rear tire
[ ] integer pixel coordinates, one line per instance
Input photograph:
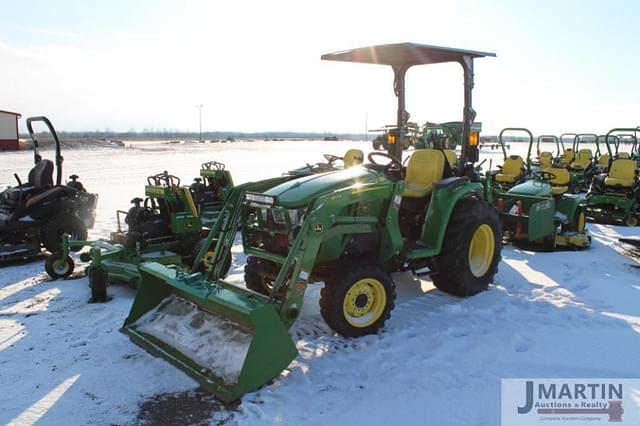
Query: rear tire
(358, 302)
(57, 266)
(471, 249)
(53, 230)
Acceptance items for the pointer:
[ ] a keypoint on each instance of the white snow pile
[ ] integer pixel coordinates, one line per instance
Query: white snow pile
(211, 341)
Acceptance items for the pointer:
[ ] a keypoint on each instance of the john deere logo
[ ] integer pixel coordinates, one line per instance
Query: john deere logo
(189, 225)
(317, 227)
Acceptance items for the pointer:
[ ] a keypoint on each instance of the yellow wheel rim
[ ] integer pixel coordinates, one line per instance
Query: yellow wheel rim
(632, 221)
(581, 221)
(364, 303)
(481, 250)
(207, 258)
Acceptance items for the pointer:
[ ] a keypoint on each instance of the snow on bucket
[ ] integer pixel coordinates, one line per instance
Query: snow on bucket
(229, 339)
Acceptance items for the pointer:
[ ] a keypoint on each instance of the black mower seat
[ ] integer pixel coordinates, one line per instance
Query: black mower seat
(41, 174)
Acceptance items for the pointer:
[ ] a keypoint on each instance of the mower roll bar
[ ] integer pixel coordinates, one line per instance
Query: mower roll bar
(562, 136)
(36, 146)
(579, 136)
(619, 129)
(540, 139)
(516, 129)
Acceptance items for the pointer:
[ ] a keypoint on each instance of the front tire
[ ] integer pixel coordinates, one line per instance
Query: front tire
(471, 249)
(259, 275)
(57, 266)
(358, 302)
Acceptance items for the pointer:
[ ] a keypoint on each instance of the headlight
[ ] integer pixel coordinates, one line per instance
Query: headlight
(260, 198)
(296, 216)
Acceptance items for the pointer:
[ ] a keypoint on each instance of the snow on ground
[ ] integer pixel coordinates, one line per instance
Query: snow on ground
(439, 360)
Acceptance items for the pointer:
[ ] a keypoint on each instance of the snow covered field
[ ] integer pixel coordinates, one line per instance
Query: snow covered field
(439, 360)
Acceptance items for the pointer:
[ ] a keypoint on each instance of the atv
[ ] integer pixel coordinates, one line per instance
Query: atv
(36, 213)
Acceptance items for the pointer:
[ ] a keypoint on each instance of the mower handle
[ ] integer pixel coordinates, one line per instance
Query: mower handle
(36, 151)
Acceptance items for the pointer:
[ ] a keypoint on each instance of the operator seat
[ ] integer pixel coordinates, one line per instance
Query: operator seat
(40, 176)
(451, 157)
(352, 158)
(512, 170)
(622, 174)
(545, 158)
(567, 156)
(425, 168)
(559, 184)
(603, 161)
(582, 160)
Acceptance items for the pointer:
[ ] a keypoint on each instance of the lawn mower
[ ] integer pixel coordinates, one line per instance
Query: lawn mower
(36, 213)
(513, 170)
(601, 160)
(581, 169)
(545, 158)
(568, 154)
(210, 190)
(614, 197)
(538, 212)
(349, 228)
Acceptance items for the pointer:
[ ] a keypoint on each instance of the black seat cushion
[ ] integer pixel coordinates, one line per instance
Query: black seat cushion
(41, 174)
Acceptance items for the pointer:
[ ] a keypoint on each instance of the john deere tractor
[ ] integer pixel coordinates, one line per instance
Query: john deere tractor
(349, 228)
(538, 212)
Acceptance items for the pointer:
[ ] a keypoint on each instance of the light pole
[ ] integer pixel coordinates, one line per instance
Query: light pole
(200, 119)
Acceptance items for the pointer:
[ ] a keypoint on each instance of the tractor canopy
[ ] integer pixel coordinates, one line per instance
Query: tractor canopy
(402, 56)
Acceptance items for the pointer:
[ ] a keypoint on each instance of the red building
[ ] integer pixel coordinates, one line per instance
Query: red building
(9, 130)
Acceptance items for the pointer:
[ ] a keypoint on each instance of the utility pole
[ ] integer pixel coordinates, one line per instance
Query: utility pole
(200, 120)
(366, 126)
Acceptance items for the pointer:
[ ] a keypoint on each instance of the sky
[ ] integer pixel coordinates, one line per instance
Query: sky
(562, 65)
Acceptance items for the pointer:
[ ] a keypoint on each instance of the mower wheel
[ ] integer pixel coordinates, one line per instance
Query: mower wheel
(471, 249)
(54, 229)
(578, 223)
(631, 221)
(207, 257)
(359, 301)
(57, 266)
(98, 283)
(259, 275)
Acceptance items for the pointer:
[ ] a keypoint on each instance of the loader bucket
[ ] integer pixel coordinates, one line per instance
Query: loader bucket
(229, 339)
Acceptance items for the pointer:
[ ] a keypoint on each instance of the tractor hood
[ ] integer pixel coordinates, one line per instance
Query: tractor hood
(299, 192)
(533, 187)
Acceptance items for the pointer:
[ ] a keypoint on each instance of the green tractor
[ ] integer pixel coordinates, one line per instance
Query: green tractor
(537, 211)
(349, 228)
(211, 189)
(389, 134)
(614, 196)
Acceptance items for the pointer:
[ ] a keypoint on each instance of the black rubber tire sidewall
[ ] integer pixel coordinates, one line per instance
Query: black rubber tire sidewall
(98, 278)
(253, 271)
(50, 267)
(51, 235)
(453, 274)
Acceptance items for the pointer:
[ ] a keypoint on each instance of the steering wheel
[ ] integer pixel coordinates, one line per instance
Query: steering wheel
(543, 175)
(331, 158)
(394, 165)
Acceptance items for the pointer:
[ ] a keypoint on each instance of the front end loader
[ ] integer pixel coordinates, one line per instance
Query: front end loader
(350, 228)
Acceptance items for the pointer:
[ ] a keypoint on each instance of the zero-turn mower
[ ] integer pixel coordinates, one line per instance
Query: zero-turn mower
(349, 228)
(538, 212)
(614, 196)
(37, 212)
